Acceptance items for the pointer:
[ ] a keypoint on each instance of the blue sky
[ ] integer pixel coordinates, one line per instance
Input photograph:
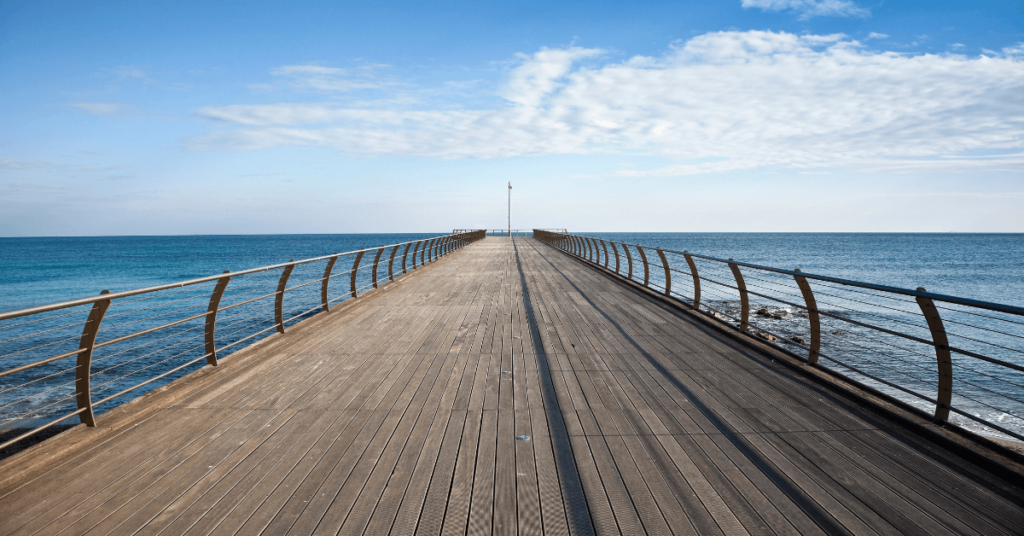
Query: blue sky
(333, 117)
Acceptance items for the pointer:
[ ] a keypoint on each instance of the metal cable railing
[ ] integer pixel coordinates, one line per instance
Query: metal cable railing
(892, 340)
(61, 360)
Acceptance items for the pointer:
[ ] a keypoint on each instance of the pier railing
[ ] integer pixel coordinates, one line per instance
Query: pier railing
(67, 359)
(957, 359)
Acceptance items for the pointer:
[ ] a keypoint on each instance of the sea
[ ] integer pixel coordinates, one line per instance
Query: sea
(986, 267)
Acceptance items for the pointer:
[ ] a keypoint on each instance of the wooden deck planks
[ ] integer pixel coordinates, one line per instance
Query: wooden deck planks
(399, 414)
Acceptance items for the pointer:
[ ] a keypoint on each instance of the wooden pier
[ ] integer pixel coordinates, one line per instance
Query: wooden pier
(504, 389)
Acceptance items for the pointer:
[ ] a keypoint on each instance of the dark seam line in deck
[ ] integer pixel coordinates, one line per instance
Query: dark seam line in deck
(576, 499)
(821, 517)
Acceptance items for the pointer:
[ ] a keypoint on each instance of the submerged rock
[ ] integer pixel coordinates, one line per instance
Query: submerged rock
(797, 339)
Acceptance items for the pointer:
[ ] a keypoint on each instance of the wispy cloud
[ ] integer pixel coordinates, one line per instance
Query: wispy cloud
(145, 75)
(327, 79)
(101, 108)
(876, 35)
(725, 100)
(810, 8)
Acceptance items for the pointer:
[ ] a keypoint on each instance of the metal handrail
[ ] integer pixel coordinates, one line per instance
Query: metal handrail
(439, 246)
(586, 248)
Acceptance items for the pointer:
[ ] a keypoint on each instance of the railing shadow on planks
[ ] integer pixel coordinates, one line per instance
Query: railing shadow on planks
(889, 340)
(164, 332)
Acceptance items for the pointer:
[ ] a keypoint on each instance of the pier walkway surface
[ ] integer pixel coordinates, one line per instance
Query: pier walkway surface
(508, 388)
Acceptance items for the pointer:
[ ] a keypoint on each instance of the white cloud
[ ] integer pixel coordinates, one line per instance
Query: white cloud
(810, 8)
(876, 35)
(328, 79)
(101, 108)
(725, 100)
(541, 74)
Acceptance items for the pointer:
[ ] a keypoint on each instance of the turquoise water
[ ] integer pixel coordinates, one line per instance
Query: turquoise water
(990, 267)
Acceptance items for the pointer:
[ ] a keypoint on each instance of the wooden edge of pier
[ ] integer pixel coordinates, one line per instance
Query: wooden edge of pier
(993, 454)
(27, 463)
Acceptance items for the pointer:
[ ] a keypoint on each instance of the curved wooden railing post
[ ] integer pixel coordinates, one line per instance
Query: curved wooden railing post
(83, 368)
(647, 271)
(572, 245)
(211, 318)
(629, 262)
(355, 271)
(668, 274)
(279, 298)
(376, 260)
(596, 252)
(423, 252)
(944, 396)
(415, 250)
(812, 317)
(696, 280)
(604, 246)
(391, 264)
(616, 251)
(744, 301)
(405, 256)
(324, 303)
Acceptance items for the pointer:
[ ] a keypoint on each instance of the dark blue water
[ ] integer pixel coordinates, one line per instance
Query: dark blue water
(986, 267)
(36, 271)
(989, 267)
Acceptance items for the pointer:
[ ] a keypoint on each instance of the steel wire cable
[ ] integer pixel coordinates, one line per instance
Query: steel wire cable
(108, 329)
(960, 379)
(136, 371)
(37, 333)
(46, 318)
(240, 341)
(1001, 410)
(76, 337)
(130, 311)
(247, 318)
(41, 393)
(174, 334)
(39, 379)
(880, 341)
(910, 313)
(869, 349)
(791, 296)
(253, 323)
(983, 373)
(877, 294)
(681, 272)
(987, 424)
(40, 409)
(247, 311)
(877, 379)
(149, 381)
(152, 295)
(301, 315)
(128, 362)
(984, 342)
(848, 366)
(234, 305)
(980, 315)
(946, 319)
